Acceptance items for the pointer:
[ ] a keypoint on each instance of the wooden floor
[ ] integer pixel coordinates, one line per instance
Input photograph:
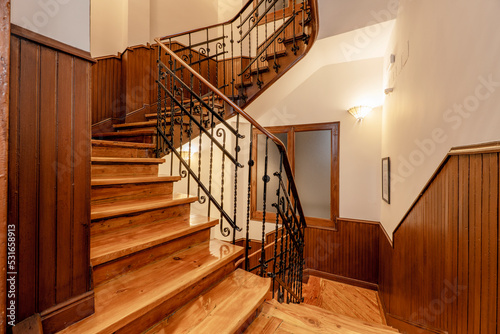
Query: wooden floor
(343, 299)
(328, 307)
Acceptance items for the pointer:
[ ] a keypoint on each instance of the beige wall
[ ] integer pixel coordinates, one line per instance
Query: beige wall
(169, 16)
(67, 21)
(446, 90)
(108, 31)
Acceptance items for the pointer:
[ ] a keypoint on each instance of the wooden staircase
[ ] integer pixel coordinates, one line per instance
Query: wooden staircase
(151, 257)
(156, 270)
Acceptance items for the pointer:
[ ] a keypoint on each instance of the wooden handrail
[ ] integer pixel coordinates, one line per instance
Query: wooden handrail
(236, 108)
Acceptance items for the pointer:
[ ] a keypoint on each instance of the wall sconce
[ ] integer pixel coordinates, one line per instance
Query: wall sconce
(360, 112)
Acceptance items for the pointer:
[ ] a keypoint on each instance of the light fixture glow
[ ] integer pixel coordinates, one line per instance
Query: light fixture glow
(360, 112)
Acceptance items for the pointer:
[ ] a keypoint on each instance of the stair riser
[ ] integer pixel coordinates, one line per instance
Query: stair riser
(107, 271)
(122, 192)
(135, 128)
(176, 302)
(119, 170)
(122, 152)
(145, 139)
(106, 225)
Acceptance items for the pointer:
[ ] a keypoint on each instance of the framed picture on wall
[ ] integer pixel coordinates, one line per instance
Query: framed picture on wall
(386, 180)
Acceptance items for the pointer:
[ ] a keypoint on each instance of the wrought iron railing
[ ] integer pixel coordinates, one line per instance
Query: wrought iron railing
(239, 56)
(205, 132)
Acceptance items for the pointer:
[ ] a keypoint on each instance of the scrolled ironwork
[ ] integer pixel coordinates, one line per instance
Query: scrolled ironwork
(198, 89)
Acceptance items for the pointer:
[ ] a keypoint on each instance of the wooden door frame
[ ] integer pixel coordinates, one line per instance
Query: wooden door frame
(4, 145)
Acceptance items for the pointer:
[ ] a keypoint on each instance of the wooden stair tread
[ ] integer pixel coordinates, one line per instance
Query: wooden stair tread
(133, 180)
(97, 142)
(112, 160)
(130, 133)
(118, 243)
(223, 309)
(121, 208)
(317, 320)
(126, 298)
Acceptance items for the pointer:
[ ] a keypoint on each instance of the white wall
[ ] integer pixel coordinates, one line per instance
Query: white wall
(67, 21)
(446, 95)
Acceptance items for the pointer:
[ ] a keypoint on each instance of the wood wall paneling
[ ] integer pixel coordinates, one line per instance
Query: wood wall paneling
(350, 251)
(442, 273)
(49, 181)
(4, 149)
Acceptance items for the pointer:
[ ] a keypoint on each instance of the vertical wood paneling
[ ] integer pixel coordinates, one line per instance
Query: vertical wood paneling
(49, 180)
(28, 175)
(64, 130)
(81, 167)
(4, 152)
(48, 176)
(351, 251)
(444, 262)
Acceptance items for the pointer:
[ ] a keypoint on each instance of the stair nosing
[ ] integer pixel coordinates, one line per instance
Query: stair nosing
(123, 144)
(122, 208)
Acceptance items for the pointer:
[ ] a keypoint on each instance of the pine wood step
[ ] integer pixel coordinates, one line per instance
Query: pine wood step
(302, 318)
(109, 148)
(116, 189)
(124, 208)
(147, 136)
(133, 302)
(110, 246)
(223, 309)
(105, 167)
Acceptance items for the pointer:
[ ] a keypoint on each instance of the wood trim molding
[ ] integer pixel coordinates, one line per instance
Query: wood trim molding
(51, 43)
(4, 154)
(68, 312)
(359, 221)
(490, 147)
(340, 279)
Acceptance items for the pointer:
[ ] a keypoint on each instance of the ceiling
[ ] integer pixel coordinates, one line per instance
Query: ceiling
(340, 16)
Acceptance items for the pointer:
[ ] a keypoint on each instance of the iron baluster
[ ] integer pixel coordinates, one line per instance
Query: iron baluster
(265, 180)
(251, 163)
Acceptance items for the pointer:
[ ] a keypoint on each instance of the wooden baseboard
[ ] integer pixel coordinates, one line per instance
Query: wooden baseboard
(405, 326)
(340, 279)
(62, 315)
